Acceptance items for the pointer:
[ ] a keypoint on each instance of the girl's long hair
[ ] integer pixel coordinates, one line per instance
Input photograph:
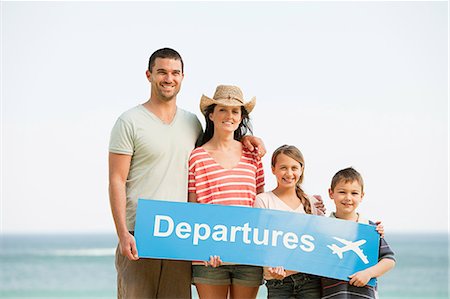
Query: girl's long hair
(243, 128)
(294, 153)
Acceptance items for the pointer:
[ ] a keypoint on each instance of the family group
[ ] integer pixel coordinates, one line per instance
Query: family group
(158, 150)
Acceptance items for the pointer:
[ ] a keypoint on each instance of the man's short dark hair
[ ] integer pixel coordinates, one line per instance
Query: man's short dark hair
(164, 53)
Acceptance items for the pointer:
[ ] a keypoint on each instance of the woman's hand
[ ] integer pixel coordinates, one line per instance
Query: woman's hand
(214, 261)
(319, 205)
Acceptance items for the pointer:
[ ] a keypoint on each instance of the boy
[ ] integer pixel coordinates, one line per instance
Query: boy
(347, 192)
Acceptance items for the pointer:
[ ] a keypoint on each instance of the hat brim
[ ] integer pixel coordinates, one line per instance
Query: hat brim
(207, 101)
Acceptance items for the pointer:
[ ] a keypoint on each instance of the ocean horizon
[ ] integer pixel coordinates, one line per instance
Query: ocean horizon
(79, 265)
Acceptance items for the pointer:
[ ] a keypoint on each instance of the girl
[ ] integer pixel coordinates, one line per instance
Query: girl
(221, 171)
(288, 166)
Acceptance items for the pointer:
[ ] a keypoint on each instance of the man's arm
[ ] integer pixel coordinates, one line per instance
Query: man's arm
(192, 197)
(252, 142)
(119, 166)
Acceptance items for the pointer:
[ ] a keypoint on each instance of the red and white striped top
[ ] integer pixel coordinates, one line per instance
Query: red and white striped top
(216, 185)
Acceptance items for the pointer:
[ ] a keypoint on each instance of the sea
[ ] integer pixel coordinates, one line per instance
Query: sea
(82, 266)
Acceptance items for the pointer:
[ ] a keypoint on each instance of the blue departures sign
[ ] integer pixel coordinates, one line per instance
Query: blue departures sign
(311, 244)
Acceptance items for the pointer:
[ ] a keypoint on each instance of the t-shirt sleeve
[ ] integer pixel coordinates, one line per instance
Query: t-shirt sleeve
(121, 140)
(199, 129)
(260, 202)
(385, 251)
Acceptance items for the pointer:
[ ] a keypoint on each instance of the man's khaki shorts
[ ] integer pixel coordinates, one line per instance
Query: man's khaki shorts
(152, 278)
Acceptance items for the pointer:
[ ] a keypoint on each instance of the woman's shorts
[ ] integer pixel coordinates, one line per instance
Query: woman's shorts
(244, 275)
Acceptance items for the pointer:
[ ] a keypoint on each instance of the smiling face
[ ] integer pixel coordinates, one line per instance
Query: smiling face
(165, 78)
(347, 196)
(226, 118)
(287, 171)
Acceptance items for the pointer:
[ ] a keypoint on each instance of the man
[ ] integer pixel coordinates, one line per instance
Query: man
(148, 157)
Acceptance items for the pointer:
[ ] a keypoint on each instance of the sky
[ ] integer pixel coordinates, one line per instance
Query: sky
(362, 84)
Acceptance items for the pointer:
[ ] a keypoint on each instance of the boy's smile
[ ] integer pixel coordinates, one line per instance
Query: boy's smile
(347, 196)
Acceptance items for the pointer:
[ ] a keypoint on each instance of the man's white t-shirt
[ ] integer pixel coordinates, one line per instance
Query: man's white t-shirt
(160, 154)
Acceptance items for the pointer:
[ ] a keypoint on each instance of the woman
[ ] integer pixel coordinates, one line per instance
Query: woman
(222, 171)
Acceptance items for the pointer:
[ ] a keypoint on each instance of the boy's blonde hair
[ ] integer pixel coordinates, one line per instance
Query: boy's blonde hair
(347, 175)
(294, 153)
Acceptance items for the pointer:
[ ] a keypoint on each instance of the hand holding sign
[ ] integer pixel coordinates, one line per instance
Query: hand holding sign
(360, 279)
(276, 272)
(214, 261)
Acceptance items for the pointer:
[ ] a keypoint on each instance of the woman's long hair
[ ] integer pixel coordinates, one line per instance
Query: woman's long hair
(243, 128)
(294, 153)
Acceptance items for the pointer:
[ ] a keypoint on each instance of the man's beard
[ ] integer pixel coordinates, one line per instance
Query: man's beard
(167, 98)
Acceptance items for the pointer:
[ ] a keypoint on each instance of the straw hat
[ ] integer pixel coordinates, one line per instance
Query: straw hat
(227, 95)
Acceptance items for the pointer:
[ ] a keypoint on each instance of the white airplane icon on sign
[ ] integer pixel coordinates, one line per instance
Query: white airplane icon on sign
(348, 245)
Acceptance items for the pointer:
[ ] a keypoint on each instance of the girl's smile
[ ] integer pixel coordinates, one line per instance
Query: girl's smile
(287, 171)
